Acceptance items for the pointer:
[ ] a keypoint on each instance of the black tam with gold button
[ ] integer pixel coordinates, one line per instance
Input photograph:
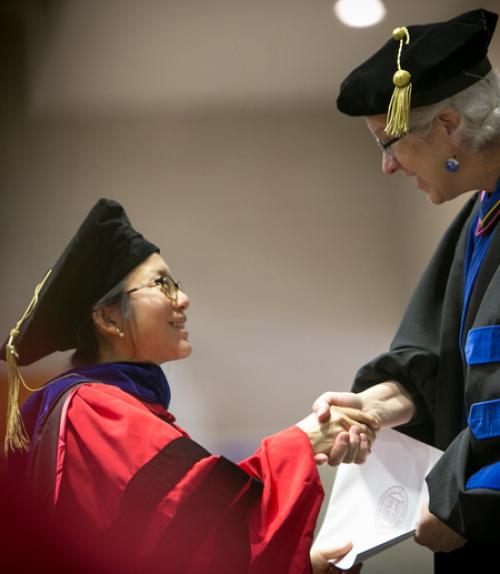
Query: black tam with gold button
(102, 252)
(443, 59)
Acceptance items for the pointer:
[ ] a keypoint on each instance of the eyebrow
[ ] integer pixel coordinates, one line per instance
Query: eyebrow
(162, 272)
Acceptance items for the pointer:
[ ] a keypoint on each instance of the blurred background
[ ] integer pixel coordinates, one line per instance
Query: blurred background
(214, 123)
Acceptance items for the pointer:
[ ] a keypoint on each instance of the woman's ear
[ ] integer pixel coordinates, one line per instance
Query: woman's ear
(106, 321)
(450, 119)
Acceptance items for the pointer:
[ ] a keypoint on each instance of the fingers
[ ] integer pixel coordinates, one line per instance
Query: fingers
(354, 444)
(360, 416)
(342, 419)
(359, 447)
(321, 458)
(326, 398)
(338, 420)
(343, 411)
(322, 411)
(353, 447)
(364, 449)
(362, 429)
(339, 449)
(337, 553)
(320, 558)
(321, 406)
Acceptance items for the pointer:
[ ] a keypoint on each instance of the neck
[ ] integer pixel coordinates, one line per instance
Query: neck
(113, 355)
(488, 170)
(490, 184)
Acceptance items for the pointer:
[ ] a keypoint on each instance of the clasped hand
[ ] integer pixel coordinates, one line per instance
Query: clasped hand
(339, 430)
(352, 444)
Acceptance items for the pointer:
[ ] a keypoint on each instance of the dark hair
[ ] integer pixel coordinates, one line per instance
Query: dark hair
(87, 340)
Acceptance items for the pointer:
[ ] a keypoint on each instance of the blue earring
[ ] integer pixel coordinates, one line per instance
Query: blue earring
(452, 164)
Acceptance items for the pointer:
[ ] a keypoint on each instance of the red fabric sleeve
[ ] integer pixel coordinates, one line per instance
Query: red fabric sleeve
(108, 435)
(282, 526)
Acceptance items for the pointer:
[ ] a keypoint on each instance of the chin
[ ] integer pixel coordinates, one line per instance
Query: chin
(434, 196)
(435, 200)
(186, 351)
(182, 352)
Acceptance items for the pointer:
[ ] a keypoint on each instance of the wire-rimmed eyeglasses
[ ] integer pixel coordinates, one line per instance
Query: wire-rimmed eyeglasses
(167, 284)
(386, 146)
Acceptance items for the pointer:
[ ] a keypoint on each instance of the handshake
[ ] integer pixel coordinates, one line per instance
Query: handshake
(342, 427)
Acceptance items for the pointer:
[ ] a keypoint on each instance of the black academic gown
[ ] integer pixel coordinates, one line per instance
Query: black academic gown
(426, 358)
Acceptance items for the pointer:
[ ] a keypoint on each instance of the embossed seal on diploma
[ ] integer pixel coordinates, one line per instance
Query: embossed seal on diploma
(391, 509)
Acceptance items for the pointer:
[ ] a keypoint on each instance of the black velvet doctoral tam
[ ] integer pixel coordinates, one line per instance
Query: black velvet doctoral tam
(443, 59)
(102, 252)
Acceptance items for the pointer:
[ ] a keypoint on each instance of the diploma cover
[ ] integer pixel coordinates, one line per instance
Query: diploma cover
(377, 504)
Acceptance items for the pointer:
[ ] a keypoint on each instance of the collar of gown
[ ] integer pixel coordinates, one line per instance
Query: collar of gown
(489, 212)
(146, 381)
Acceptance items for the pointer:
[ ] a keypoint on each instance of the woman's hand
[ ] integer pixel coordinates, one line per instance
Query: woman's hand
(345, 435)
(321, 406)
(435, 534)
(320, 560)
(387, 402)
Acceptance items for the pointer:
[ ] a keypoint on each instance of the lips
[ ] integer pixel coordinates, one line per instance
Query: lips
(178, 323)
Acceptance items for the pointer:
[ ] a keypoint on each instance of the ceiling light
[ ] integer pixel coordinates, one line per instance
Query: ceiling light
(359, 13)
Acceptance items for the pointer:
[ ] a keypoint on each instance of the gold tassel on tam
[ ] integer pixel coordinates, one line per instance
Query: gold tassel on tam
(398, 114)
(16, 436)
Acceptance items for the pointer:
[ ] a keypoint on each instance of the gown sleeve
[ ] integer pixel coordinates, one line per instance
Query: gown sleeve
(291, 495)
(415, 357)
(124, 470)
(465, 483)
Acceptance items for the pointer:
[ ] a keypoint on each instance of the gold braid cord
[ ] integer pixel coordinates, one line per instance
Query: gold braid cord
(16, 436)
(398, 114)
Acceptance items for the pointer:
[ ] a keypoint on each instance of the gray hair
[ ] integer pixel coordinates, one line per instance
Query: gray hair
(479, 108)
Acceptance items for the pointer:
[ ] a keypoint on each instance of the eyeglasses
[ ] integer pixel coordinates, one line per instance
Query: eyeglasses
(386, 146)
(167, 284)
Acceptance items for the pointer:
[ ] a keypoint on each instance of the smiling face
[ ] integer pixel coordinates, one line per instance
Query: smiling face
(423, 157)
(156, 331)
(159, 324)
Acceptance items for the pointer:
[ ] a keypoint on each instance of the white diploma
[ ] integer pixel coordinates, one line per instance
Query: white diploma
(378, 503)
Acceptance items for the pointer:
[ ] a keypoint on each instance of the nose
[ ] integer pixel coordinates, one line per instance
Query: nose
(182, 302)
(390, 165)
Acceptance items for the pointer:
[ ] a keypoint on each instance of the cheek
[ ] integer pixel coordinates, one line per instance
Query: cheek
(417, 154)
(429, 168)
(150, 318)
